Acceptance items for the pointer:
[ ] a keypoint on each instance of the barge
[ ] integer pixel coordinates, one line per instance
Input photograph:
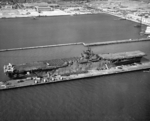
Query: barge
(87, 65)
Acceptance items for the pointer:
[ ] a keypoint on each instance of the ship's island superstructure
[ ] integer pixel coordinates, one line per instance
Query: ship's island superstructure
(88, 64)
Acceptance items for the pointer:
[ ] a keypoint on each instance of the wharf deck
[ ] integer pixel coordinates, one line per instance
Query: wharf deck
(91, 73)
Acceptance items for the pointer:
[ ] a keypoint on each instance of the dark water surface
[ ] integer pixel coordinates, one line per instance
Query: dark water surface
(64, 29)
(120, 97)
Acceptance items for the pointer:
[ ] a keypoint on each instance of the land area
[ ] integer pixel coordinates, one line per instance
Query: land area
(137, 11)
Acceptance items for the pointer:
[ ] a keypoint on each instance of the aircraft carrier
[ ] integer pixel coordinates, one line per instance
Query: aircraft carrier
(88, 64)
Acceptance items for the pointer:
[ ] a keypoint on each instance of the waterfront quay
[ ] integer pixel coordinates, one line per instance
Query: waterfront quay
(130, 10)
(44, 9)
(137, 11)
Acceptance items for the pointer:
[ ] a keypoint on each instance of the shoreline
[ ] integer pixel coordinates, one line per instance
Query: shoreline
(47, 15)
(127, 18)
(43, 14)
(58, 12)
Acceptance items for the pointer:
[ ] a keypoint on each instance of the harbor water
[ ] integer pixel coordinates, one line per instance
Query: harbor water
(119, 97)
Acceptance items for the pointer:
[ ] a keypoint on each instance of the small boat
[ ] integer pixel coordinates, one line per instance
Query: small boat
(34, 18)
(122, 19)
(146, 71)
(138, 25)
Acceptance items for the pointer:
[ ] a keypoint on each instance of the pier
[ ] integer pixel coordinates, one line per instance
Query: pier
(80, 43)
